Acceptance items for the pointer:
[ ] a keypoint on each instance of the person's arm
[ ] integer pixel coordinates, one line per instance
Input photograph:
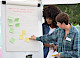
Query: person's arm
(48, 45)
(51, 46)
(76, 49)
(55, 47)
(46, 38)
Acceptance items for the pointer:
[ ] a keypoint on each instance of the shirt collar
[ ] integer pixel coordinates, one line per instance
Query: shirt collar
(71, 29)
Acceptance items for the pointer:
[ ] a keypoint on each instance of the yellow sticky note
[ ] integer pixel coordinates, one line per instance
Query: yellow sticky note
(53, 55)
(21, 37)
(23, 32)
(26, 39)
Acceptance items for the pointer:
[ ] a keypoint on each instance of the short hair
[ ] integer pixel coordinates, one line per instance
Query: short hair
(51, 12)
(63, 17)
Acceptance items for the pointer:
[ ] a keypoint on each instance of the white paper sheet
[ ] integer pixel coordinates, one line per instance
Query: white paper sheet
(50, 53)
(28, 19)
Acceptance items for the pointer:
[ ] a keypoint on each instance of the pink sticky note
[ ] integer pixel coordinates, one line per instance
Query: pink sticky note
(0, 53)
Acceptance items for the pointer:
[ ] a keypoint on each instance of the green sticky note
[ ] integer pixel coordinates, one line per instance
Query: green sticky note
(12, 40)
(11, 23)
(11, 30)
(16, 19)
(10, 17)
(17, 24)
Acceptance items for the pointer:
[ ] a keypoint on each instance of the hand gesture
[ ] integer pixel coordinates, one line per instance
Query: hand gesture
(58, 55)
(55, 47)
(52, 46)
(33, 37)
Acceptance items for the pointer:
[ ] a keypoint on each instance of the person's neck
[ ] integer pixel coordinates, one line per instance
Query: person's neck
(52, 26)
(67, 27)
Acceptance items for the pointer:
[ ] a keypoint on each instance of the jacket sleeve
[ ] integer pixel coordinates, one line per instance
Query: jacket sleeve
(43, 28)
(48, 38)
(75, 53)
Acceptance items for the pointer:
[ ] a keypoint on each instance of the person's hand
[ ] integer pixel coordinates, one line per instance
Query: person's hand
(58, 55)
(52, 46)
(55, 48)
(33, 37)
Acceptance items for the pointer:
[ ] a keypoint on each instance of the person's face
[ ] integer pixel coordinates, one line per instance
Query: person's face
(49, 21)
(60, 25)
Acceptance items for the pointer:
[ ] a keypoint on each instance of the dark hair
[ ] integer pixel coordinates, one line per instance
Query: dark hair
(51, 12)
(63, 17)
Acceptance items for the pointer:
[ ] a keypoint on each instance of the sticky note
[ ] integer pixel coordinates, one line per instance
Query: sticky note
(11, 30)
(21, 37)
(12, 40)
(53, 55)
(11, 23)
(26, 39)
(10, 17)
(16, 19)
(23, 32)
(17, 24)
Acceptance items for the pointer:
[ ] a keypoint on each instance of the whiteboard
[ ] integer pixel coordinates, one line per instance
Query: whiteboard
(28, 21)
(6, 54)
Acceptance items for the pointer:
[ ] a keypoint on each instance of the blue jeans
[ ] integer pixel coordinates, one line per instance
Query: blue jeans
(46, 50)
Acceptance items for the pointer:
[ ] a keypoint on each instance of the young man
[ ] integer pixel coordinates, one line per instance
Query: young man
(67, 37)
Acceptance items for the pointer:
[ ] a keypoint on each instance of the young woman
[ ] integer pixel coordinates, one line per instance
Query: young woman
(49, 14)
